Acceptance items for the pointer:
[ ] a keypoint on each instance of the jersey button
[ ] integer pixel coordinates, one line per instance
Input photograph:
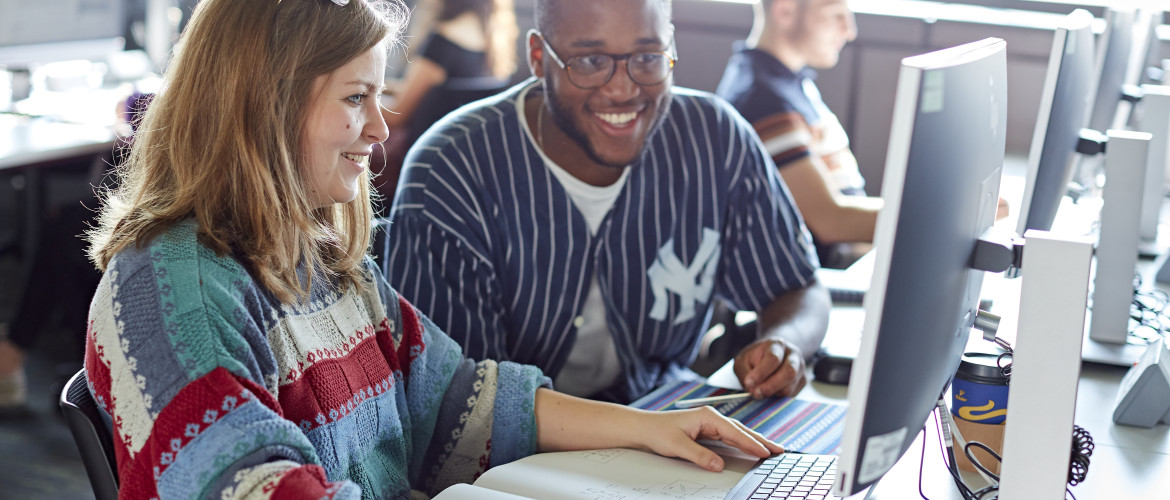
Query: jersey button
(578, 321)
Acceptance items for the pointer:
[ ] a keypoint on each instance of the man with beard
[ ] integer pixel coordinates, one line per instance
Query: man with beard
(585, 220)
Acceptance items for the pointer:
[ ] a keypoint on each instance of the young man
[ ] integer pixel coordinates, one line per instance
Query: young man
(769, 80)
(585, 220)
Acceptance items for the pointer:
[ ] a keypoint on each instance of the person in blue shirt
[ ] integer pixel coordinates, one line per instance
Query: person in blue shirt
(586, 220)
(769, 79)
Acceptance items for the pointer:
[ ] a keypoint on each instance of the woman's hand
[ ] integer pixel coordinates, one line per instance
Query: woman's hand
(568, 423)
(673, 434)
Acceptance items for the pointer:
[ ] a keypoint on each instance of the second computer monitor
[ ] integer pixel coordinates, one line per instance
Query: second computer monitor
(941, 188)
(1064, 103)
(1112, 60)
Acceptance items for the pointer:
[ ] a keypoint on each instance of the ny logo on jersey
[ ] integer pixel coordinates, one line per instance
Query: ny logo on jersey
(692, 284)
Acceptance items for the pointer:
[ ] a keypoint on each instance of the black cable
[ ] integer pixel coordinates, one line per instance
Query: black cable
(1148, 310)
(921, 460)
(1004, 369)
(954, 470)
(985, 490)
(947, 452)
(974, 461)
(1082, 449)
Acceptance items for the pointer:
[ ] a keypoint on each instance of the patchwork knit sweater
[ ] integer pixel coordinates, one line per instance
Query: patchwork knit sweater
(216, 389)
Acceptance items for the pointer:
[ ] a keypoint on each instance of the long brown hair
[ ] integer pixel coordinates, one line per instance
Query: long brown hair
(222, 143)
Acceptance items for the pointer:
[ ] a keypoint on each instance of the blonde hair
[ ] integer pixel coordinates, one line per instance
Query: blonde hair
(222, 143)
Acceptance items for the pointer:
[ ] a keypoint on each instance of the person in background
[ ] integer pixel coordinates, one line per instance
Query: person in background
(769, 80)
(585, 220)
(469, 41)
(243, 344)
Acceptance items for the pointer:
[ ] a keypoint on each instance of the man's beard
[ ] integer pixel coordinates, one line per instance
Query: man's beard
(560, 116)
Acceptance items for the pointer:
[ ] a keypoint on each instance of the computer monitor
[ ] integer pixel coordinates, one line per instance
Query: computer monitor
(1147, 53)
(1112, 61)
(1064, 103)
(941, 188)
(34, 32)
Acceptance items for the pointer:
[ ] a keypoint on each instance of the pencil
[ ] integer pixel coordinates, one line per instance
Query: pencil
(712, 400)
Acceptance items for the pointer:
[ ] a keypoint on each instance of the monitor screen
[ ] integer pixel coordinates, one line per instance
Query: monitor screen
(33, 32)
(1112, 62)
(941, 188)
(1064, 103)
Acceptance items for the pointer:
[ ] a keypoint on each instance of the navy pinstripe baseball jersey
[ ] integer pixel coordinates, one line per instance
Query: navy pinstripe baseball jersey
(485, 240)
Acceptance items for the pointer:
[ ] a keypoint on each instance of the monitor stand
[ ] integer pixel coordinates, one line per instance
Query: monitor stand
(1155, 119)
(1106, 353)
(1116, 248)
(1046, 364)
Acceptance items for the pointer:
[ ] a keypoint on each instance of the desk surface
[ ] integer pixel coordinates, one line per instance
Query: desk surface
(59, 125)
(1128, 462)
(25, 141)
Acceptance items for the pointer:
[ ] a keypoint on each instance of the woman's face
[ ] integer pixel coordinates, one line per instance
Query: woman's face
(342, 126)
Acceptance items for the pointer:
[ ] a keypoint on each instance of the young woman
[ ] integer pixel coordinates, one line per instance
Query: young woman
(241, 341)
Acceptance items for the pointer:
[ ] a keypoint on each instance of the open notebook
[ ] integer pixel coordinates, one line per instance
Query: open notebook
(602, 474)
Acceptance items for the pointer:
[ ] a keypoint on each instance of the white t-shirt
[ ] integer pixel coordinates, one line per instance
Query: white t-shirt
(593, 363)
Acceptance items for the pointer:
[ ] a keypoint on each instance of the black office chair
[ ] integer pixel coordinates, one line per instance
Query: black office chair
(94, 440)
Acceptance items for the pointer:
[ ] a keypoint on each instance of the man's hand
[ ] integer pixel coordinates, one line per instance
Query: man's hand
(770, 367)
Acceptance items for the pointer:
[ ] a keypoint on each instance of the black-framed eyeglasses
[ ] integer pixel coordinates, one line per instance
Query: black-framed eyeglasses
(595, 70)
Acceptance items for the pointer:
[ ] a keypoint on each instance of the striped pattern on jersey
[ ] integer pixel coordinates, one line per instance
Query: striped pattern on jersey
(786, 136)
(788, 113)
(486, 242)
(772, 98)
